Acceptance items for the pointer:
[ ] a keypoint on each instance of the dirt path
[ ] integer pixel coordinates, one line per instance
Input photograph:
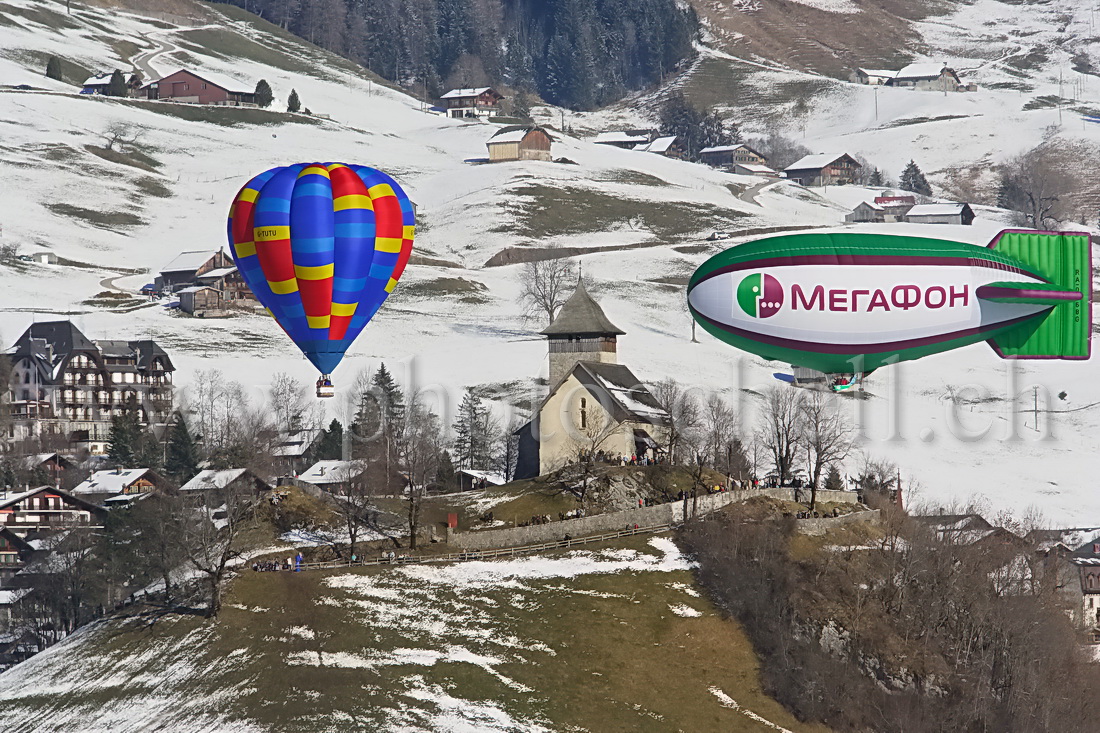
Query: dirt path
(749, 194)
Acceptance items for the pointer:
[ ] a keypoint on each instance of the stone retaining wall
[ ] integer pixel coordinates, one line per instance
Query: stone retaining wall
(671, 513)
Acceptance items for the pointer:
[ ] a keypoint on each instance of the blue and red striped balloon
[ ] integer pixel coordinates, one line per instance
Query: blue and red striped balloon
(322, 246)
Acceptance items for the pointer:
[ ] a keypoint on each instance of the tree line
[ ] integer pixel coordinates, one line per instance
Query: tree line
(903, 629)
(575, 53)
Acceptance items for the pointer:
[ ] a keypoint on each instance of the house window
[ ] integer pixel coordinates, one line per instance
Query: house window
(204, 86)
(584, 413)
(1090, 582)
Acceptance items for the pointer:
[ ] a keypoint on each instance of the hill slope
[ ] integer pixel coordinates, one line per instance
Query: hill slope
(605, 640)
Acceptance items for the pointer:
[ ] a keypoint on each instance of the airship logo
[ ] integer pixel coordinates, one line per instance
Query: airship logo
(760, 295)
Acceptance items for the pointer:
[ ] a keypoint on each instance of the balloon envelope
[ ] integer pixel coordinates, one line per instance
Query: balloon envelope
(321, 245)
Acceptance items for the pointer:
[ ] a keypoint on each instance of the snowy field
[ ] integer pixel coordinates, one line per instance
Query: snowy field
(959, 424)
(529, 645)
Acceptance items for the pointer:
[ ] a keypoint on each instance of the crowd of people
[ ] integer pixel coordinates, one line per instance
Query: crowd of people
(269, 566)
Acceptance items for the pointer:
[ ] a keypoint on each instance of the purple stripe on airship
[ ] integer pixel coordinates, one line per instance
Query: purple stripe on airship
(879, 348)
(876, 260)
(994, 291)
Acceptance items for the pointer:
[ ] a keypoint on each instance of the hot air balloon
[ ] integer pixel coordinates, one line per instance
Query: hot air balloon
(321, 245)
(846, 303)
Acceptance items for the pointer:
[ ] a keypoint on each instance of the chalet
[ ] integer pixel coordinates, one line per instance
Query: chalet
(15, 552)
(229, 281)
(625, 139)
(294, 447)
(231, 478)
(595, 405)
(204, 88)
(201, 301)
(668, 146)
(186, 268)
(102, 485)
(866, 211)
(99, 83)
(333, 476)
(52, 466)
(469, 479)
(754, 169)
(873, 77)
(726, 156)
(927, 76)
(519, 142)
(46, 509)
(823, 169)
(1087, 561)
(476, 102)
(62, 383)
(888, 209)
(951, 213)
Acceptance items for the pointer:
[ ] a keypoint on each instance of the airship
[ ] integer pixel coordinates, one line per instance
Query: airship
(847, 303)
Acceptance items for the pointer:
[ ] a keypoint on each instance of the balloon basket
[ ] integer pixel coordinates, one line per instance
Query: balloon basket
(324, 387)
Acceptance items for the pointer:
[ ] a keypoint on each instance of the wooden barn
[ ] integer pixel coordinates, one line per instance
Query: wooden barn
(201, 301)
(950, 213)
(519, 142)
(727, 156)
(187, 86)
(478, 102)
(823, 169)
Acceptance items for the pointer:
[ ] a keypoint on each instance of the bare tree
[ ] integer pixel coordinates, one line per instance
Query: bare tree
(1036, 187)
(122, 136)
(826, 435)
(291, 407)
(720, 429)
(683, 409)
(211, 527)
(779, 427)
(419, 448)
(545, 285)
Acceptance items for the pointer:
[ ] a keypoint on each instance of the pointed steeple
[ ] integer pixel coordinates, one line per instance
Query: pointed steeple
(581, 316)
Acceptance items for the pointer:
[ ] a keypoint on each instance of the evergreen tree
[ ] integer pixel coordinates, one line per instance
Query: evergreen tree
(331, 445)
(117, 86)
(695, 129)
(124, 438)
(53, 68)
(912, 179)
(445, 474)
(182, 457)
(7, 475)
(875, 179)
(264, 96)
(474, 433)
(293, 104)
(833, 481)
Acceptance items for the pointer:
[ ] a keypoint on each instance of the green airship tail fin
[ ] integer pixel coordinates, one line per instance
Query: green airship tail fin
(1063, 331)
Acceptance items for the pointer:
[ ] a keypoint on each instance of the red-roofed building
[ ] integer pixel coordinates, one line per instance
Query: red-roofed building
(895, 200)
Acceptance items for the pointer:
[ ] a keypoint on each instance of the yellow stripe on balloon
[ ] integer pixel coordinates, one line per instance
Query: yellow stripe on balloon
(249, 194)
(282, 287)
(334, 166)
(270, 233)
(344, 309)
(318, 321)
(317, 170)
(408, 232)
(380, 190)
(387, 244)
(318, 272)
(391, 285)
(244, 249)
(352, 201)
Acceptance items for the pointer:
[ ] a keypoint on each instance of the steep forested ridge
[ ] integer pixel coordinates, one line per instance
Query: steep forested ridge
(577, 53)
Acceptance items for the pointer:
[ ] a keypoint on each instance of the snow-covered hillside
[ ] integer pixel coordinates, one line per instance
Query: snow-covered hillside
(571, 641)
(109, 215)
